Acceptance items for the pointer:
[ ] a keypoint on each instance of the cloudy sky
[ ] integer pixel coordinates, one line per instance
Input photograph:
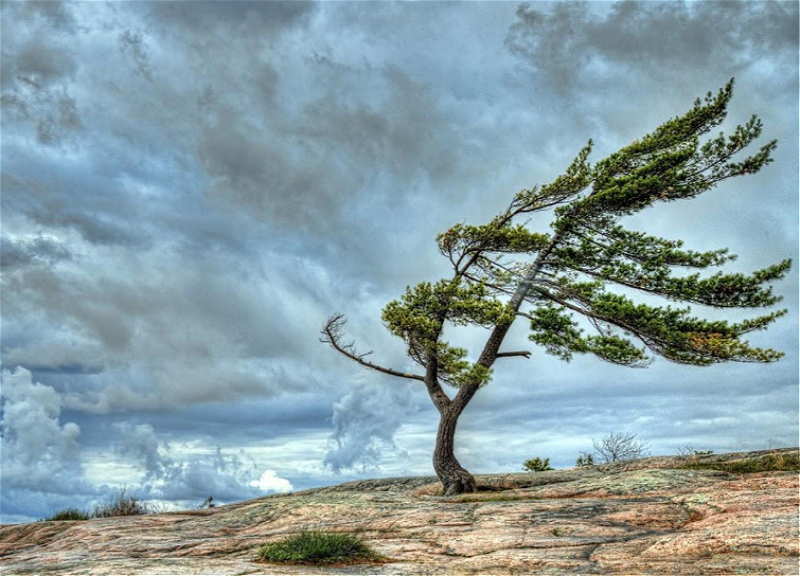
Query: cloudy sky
(189, 190)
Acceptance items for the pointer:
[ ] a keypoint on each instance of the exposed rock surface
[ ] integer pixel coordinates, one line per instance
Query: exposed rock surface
(645, 517)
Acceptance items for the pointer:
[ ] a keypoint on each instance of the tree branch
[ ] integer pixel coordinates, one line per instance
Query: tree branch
(332, 334)
(644, 339)
(438, 396)
(524, 353)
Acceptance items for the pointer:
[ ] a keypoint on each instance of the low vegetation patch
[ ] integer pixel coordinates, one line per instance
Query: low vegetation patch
(778, 462)
(122, 505)
(315, 547)
(68, 514)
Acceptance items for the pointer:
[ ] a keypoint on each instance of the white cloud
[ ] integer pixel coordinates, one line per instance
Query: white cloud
(174, 475)
(365, 422)
(41, 467)
(38, 451)
(271, 482)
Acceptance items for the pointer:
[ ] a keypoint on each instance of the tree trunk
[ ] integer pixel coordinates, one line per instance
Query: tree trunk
(455, 479)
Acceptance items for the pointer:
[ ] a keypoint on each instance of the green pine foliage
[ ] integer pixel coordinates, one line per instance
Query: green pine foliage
(537, 465)
(420, 315)
(589, 253)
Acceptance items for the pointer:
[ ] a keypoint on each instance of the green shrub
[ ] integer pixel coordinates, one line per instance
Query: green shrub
(584, 460)
(536, 465)
(122, 505)
(68, 514)
(315, 547)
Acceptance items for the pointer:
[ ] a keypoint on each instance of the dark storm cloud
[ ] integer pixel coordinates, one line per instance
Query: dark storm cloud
(333, 159)
(36, 68)
(15, 253)
(200, 20)
(255, 420)
(186, 336)
(105, 215)
(572, 43)
(592, 64)
(43, 64)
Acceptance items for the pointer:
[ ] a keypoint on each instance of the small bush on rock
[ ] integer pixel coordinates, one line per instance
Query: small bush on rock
(620, 446)
(122, 505)
(537, 465)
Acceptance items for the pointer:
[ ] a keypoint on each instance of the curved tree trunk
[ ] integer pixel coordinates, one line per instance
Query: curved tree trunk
(455, 479)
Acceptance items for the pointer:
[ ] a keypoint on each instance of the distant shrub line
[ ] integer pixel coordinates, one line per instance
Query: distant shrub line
(776, 462)
(624, 446)
(612, 447)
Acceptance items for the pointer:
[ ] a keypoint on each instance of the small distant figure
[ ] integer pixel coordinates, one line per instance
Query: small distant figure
(209, 503)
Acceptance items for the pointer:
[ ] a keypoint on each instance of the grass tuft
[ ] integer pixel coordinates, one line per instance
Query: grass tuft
(68, 514)
(315, 547)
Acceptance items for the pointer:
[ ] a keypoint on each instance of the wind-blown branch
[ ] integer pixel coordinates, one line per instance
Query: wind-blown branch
(671, 333)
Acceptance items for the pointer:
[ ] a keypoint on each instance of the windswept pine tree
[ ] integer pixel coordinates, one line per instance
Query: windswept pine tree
(503, 271)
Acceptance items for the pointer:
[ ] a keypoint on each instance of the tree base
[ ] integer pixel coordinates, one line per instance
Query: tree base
(458, 482)
(455, 479)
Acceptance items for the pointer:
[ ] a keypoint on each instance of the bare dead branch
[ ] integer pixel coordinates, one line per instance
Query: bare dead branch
(332, 334)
